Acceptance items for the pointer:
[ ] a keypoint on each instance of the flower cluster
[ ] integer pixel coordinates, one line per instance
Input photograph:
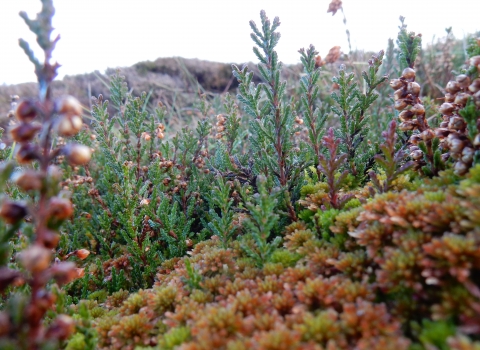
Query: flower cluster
(458, 135)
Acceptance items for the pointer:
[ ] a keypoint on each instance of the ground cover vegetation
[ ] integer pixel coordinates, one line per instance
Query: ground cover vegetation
(336, 210)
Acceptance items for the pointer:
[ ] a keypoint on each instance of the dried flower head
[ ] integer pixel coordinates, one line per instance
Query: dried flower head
(77, 154)
(334, 53)
(69, 125)
(334, 6)
(12, 212)
(35, 258)
(69, 106)
(26, 111)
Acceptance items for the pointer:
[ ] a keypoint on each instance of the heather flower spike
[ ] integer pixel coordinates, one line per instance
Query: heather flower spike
(45, 209)
(334, 6)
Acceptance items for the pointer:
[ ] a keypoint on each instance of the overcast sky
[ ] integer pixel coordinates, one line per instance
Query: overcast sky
(96, 34)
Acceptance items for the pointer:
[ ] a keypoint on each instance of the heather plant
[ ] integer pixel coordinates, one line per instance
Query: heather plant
(37, 218)
(159, 183)
(298, 221)
(273, 124)
(313, 115)
(221, 225)
(351, 107)
(455, 138)
(261, 222)
(229, 126)
(390, 161)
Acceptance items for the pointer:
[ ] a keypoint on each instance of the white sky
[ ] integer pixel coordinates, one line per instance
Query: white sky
(96, 34)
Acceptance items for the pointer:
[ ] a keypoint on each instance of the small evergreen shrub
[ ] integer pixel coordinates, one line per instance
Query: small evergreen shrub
(324, 212)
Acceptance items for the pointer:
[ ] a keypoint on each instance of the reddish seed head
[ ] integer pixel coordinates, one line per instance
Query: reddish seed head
(415, 139)
(457, 123)
(461, 99)
(463, 80)
(334, 6)
(69, 125)
(60, 208)
(28, 180)
(413, 88)
(50, 239)
(449, 97)
(27, 153)
(25, 131)
(77, 154)
(398, 94)
(80, 272)
(460, 168)
(12, 212)
(475, 86)
(427, 135)
(467, 155)
(406, 115)
(64, 272)
(396, 84)
(26, 111)
(476, 140)
(406, 126)
(446, 108)
(318, 62)
(418, 109)
(452, 87)
(400, 105)
(475, 61)
(442, 132)
(146, 136)
(456, 145)
(409, 74)
(69, 105)
(35, 258)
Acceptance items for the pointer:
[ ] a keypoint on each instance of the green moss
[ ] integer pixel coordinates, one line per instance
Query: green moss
(285, 257)
(175, 337)
(77, 342)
